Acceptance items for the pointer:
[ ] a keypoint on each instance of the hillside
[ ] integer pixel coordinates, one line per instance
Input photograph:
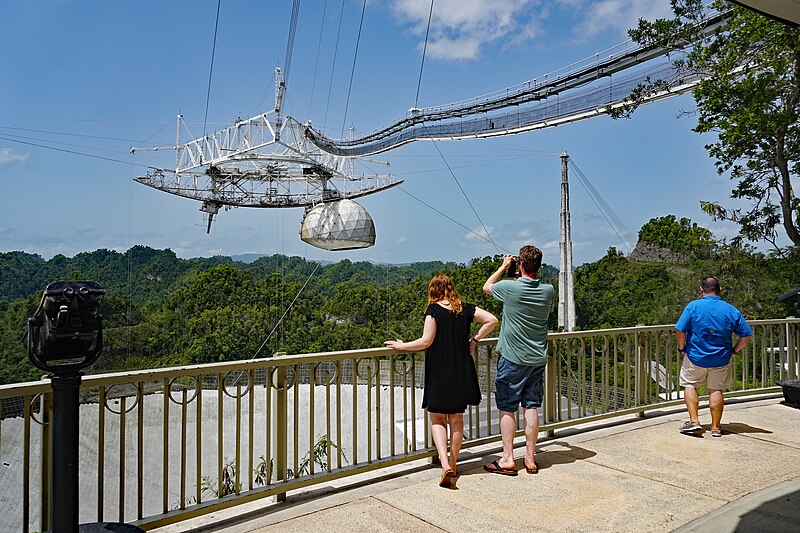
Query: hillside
(161, 310)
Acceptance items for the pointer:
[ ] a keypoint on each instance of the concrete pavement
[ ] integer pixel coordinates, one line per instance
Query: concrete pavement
(626, 475)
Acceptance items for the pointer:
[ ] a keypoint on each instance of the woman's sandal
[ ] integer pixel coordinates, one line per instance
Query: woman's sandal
(447, 478)
(534, 470)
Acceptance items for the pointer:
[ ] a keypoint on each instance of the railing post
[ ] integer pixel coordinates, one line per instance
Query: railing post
(792, 349)
(280, 429)
(783, 352)
(45, 405)
(550, 392)
(640, 372)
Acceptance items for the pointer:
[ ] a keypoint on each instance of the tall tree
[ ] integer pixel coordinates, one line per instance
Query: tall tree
(749, 96)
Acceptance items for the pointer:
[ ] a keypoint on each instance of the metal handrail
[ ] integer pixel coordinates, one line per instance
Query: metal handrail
(164, 445)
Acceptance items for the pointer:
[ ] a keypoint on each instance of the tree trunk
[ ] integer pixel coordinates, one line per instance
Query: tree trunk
(787, 198)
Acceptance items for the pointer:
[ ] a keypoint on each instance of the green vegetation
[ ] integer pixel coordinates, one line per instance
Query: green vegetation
(160, 310)
(681, 236)
(749, 97)
(263, 472)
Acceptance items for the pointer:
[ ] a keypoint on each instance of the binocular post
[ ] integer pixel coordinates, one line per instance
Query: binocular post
(64, 336)
(65, 508)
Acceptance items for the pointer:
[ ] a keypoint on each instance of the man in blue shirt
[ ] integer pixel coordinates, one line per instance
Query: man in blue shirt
(703, 335)
(523, 354)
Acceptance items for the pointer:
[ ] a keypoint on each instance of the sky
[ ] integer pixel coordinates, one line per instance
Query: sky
(86, 80)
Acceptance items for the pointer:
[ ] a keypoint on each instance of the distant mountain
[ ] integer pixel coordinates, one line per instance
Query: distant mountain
(247, 258)
(252, 258)
(142, 273)
(146, 275)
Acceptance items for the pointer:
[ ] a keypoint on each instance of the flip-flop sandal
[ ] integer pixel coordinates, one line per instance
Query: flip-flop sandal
(447, 479)
(495, 468)
(534, 470)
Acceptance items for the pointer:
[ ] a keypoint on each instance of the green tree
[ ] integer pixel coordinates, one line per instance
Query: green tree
(749, 95)
(681, 236)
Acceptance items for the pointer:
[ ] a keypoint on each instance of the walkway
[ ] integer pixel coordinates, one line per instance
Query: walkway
(635, 475)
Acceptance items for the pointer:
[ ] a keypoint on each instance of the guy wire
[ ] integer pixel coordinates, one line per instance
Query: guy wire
(353, 70)
(333, 66)
(211, 68)
(463, 192)
(424, 50)
(316, 62)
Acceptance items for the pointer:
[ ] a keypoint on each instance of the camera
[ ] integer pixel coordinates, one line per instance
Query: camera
(513, 271)
(66, 326)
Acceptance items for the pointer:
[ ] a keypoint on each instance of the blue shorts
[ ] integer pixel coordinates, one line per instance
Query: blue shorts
(517, 384)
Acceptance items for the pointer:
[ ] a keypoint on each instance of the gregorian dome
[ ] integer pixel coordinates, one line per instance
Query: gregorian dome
(340, 225)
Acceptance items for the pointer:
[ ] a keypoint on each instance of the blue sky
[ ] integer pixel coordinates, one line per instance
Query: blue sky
(99, 77)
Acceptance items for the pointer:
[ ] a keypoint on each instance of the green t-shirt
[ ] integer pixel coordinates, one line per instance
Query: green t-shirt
(526, 307)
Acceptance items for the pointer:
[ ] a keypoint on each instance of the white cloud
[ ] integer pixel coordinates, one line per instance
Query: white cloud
(480, 234)
(402, 240)
(552, 251)
(460, 28)
(461, 49)
(614, 15)
(7, 156)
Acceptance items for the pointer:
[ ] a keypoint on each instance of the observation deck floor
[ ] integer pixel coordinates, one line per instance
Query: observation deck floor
(627, 474)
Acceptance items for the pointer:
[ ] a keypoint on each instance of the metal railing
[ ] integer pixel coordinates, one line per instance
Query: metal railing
(160, 446)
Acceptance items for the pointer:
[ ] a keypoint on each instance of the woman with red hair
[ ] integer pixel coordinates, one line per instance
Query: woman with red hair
(451, 381)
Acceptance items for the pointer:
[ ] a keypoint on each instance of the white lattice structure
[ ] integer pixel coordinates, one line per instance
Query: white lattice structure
(264, 161)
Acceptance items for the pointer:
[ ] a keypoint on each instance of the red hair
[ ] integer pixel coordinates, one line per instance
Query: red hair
(441, 288)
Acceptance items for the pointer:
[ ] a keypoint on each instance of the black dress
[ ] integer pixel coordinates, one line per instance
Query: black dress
(451, 381)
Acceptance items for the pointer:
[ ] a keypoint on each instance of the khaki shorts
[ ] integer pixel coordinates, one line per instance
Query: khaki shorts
(717, 378)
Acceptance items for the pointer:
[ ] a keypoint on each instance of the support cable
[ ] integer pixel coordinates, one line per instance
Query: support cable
(287, 62)
(316, 63)
(65, 144)
(451, 219)
(386, 282)
(424, 49)
(620, 229)
(463, 192)
(130, 259)
(353, 70)
(100, 137)
(612, 214)
(280, 321)
(333, 67)
(211, 68)
(79, 153)
(486, 237)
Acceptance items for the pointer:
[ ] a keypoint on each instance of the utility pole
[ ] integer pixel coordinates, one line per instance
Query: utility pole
(566, 287)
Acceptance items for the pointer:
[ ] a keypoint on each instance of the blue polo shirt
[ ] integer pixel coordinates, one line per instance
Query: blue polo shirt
(709, 324)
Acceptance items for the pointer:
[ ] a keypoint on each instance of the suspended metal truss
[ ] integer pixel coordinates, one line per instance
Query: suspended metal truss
(575, 92)
(272, 160)
(264, 161)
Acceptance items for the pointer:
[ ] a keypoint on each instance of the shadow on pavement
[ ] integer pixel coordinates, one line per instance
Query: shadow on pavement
(739, 428)
(546, 459)
(570, 454)
(776, 516)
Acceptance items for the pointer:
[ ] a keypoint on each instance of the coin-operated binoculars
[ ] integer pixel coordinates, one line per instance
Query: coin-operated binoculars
(791, 298)
(64, 336)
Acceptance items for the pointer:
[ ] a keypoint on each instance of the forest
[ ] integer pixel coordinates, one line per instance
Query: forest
(161, 310)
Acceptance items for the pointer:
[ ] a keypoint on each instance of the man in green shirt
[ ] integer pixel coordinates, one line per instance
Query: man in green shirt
(522, 346)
